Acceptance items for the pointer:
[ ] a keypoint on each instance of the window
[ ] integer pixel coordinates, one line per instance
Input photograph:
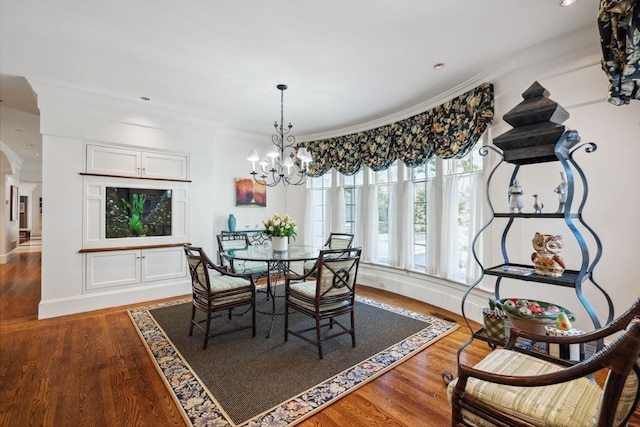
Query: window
(421, 219)
(446, 213)
(350, 185)
(384, 183)
(423, 176)
(319, 196)
(461, 210)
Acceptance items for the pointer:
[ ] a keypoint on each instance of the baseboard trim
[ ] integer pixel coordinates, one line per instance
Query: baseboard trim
(96, 301)
(432, 290)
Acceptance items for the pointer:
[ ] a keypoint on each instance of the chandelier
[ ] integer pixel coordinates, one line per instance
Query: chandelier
(285, 163)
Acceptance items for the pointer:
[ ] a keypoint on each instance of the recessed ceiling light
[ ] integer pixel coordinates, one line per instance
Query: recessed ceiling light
(438, 66)
(565, 3)
(145, 98)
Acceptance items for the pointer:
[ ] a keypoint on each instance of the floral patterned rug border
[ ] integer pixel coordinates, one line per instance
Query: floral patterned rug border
(200, 408)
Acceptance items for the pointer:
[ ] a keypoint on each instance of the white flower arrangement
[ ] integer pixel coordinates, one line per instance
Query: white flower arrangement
(280, 226)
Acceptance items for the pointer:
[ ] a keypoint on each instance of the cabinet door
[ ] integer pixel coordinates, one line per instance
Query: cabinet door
(113, 161)
(111, 269)
(164, 166)
(164, 263)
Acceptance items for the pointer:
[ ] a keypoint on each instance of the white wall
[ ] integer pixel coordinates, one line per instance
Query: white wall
(69, 119)
(10, 165)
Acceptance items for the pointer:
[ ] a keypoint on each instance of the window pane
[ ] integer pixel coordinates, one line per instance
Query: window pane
(464, 217)
(350, 209)
(319, 198)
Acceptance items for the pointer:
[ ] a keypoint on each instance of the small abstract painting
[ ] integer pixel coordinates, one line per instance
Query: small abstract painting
(250, 193)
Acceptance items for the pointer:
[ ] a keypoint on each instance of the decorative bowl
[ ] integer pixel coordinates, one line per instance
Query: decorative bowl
(534, 323)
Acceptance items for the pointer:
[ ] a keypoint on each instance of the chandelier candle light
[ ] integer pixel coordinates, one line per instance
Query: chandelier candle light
(286, 163)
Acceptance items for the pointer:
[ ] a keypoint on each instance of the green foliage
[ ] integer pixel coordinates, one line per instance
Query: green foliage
(135, 214)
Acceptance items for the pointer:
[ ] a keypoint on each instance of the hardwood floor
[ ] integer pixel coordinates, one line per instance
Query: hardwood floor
(91, 369)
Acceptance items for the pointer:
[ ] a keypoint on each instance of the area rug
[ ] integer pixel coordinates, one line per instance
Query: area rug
(243, 381)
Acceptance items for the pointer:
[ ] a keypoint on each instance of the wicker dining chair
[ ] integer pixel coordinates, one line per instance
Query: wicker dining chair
(510, 388)
(217, 292)
(334, 241)
(238, 240)
(332, 294)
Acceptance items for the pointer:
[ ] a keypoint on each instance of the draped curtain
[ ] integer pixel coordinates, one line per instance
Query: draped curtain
(475, 223)
(449, 130)
(619, 26)
(449, 246)
(433, 231)
(370, 247)
(393, 223)
(405, 225)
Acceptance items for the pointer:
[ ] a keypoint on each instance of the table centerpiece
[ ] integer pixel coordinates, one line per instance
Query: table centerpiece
(279, 229)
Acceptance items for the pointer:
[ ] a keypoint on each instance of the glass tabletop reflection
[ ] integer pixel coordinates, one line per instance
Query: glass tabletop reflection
(266, 253)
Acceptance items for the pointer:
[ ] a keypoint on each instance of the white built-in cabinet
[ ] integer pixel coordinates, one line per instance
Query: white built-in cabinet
(133, 262)
(116, 161)
(137, 267)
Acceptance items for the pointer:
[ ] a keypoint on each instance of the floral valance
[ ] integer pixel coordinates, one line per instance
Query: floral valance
(448, 131)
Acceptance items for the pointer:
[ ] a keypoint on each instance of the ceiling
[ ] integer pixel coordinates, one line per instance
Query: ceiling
(346, 62)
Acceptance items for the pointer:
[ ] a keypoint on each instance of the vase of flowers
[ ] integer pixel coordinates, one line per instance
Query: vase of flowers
(279, 229)
(280, 244)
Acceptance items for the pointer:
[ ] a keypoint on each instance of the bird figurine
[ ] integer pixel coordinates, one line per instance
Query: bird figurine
(537, 204)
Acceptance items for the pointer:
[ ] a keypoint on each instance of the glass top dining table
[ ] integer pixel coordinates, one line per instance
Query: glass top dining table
(267, 254)
(277, 263)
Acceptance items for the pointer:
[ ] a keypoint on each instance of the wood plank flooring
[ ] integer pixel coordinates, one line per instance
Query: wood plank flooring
(91, 369)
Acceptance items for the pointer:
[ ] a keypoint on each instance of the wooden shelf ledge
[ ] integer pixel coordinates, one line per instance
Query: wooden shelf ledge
(129, 248)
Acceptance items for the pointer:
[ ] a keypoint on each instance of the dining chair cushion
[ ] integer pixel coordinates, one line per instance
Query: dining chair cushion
(309, 289)
(340, 243)
(254, 268)
(234, 244)
(570, 404)
(309, 265)
(227, 283)
(229, 244)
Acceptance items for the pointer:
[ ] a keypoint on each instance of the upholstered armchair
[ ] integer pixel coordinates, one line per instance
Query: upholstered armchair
(510, 388)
